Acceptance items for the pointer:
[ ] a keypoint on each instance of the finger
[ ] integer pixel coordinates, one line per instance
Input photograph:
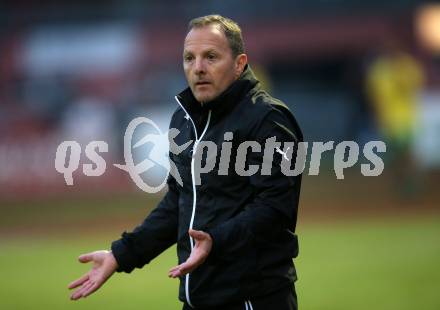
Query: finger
(183, 269)
(186, 268)
(75, 296)
(175, 275)
(91, 289)
(176, 271)
(189, 265)
(197, 234)
(82, 286)
(78, 293)
(85, 258)
(190, 260)
(83, 289)
(79, 281)
(173, 272)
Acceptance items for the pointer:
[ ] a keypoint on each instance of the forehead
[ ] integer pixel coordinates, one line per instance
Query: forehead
(204, 38)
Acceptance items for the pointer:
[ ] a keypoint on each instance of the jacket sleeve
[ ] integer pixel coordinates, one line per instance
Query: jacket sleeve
(153, 236)
(275, 203)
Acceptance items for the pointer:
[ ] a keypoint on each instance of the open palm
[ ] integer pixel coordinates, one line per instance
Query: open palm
(198, 254)
(104, 265)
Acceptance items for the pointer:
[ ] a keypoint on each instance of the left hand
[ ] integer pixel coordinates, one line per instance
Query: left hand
(201, 250)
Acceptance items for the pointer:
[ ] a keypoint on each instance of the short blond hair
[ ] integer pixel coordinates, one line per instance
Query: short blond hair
(230, 28)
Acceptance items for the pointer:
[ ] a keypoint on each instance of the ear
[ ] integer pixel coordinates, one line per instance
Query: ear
(240, 63)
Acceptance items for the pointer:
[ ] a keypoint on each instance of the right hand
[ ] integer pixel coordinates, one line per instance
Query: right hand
(104, 265)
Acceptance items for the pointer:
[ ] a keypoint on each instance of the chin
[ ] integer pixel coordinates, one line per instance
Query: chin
(204, 98)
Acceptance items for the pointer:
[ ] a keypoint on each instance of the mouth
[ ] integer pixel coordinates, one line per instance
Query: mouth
(202, 83)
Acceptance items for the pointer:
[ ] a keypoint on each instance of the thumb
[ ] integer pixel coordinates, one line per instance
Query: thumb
(197, 234)
(85, 258)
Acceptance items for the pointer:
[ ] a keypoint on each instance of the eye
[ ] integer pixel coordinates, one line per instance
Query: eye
(211, 56)
(188, 58)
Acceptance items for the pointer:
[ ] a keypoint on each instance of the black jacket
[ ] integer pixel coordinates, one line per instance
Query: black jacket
(251, 219)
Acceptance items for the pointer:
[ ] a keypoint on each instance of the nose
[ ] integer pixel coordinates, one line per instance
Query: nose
(199, 66)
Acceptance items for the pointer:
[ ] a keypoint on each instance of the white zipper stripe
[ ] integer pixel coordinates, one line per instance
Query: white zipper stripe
(246, 305)
(187, 290)
(191, 223)
(194, 188)
(250, 305)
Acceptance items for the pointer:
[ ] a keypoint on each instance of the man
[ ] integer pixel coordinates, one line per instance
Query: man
(234, 229)
(394, 82)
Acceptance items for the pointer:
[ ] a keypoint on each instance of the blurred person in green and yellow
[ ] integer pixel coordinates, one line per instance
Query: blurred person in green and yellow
(394, 81)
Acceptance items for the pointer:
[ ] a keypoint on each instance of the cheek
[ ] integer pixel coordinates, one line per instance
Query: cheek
(187, 69)
(227, 77)
(222, 76)
(187, 72)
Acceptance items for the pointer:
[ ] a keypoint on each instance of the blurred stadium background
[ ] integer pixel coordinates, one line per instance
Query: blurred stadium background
(349, 70)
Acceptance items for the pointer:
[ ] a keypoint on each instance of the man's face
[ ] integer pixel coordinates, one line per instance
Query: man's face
(208, 62)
